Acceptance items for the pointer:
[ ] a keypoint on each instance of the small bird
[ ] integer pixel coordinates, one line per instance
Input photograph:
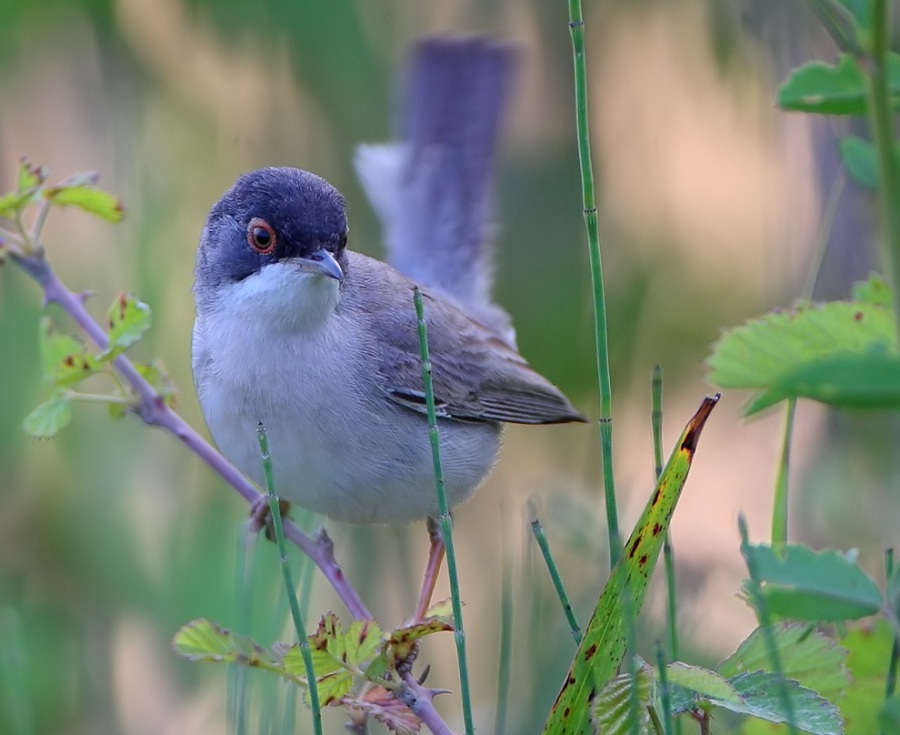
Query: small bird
(319, 343)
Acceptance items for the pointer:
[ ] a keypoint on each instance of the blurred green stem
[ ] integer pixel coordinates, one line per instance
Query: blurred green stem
(538, 531)
(576, 30)
(285, 560)
(656, 416)
(446, 524)
(780, 503)
(765, 624)
(881, 121)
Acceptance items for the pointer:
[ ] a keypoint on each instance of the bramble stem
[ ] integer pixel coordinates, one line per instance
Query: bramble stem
(154, 411)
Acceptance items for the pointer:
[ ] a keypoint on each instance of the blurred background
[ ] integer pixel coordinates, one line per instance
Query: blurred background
(112, 536)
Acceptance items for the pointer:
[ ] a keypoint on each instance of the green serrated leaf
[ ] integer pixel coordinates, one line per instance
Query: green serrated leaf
(869, 648)
(128, 320)
(834, 89)
(873, 291)
(759, 691)
(868, 380)
(332, 688)
(613, 709)
(89, 199)
(808, 656)
(50, 417)
(601, 650)
(803, 584)
(64, 361)
(701, 681)
(843, 353)
(204, 640)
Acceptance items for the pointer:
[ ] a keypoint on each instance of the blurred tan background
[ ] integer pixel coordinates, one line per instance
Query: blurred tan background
(112, 535)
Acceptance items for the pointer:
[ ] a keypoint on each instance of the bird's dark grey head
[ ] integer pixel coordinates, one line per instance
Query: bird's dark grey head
(267, 216)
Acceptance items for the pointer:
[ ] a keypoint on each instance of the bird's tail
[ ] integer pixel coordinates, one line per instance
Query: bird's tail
(431, 188)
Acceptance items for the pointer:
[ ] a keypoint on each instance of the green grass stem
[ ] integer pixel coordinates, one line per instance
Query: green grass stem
(665, 695)
(285, 562)
(504, 672)
(890, 685)
(780, 502)
(576, 31)
(537, 530)
(445, 521)
(656, 416)
(881, 120)
(765, 623)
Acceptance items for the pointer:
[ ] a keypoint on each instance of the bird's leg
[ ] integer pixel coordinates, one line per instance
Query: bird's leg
(432, 568)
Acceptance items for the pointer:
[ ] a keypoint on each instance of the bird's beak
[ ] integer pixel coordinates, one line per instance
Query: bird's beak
(321, 262)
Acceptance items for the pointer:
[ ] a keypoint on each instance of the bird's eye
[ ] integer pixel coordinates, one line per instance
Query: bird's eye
(261, 236)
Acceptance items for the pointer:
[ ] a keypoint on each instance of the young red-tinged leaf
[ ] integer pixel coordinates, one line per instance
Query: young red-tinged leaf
(128, 320)
(613, 709)
(95, 201)
(403, 640)
(808, 656)
(30, 177)
(50, 417)
(334, 650)
(603, 646)
(381, 704)
(802, 584)
(64, 360)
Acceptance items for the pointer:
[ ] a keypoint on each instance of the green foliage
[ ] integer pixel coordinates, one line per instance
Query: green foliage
(65, 364)
(825, 586)
(843, 353)
(128, 320)
(859, 158)
(364, 657)
(601, 650)
(834, 89)
(78, 191)
(613, 711)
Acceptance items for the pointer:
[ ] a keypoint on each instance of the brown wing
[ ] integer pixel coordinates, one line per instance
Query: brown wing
(477, 376)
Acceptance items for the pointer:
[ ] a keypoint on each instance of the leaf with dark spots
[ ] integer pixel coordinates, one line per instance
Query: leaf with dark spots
(606, 631)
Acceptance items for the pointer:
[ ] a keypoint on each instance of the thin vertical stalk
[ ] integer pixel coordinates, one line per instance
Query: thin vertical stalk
(576, 30)
(881, 121)
(285, 561)
(656, 416)
(665, 694)
(891, 683)
(445, 521)
(538, 531)
(780, 502)
(506, 629)
(765, 623)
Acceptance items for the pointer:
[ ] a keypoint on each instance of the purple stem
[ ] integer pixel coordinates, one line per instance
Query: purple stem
(420, 701)
(154, 411)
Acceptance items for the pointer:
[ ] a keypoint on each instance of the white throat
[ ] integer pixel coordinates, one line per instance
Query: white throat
(282, 298)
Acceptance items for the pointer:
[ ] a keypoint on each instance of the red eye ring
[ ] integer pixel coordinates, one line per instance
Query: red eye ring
(261, 236)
